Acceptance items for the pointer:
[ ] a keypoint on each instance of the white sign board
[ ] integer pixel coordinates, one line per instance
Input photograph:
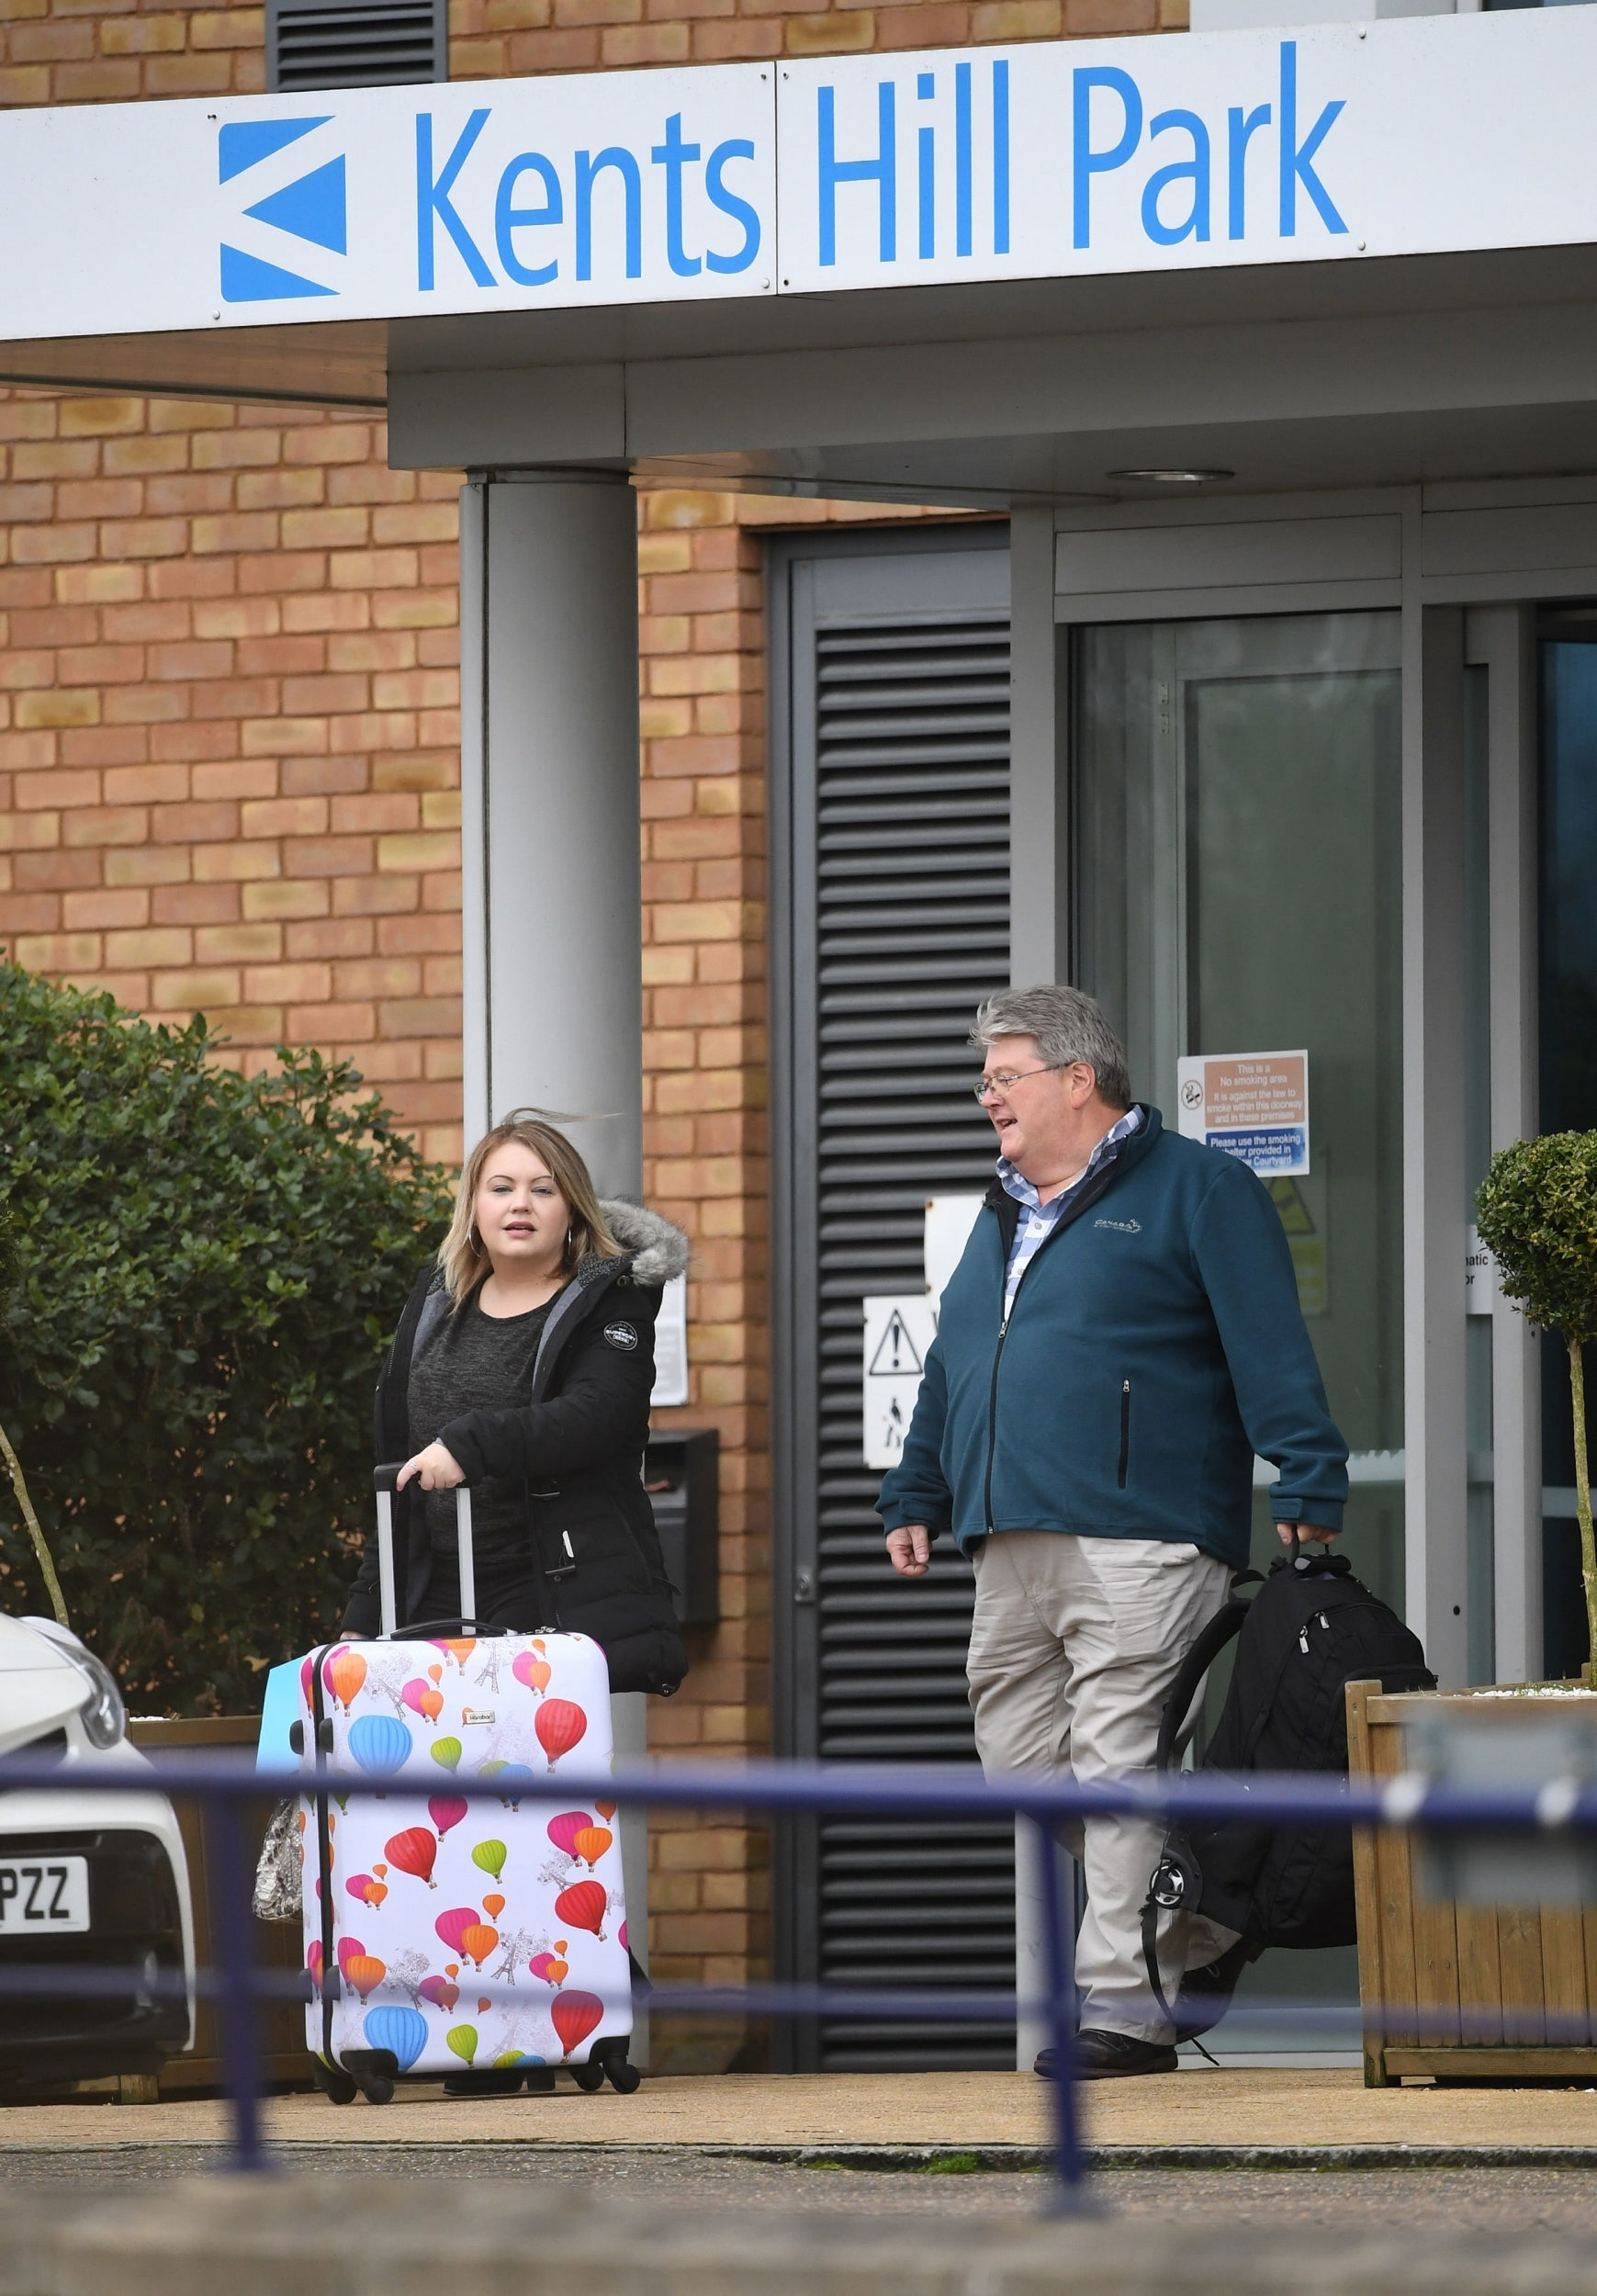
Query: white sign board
(1329, 142)
(1253, 1104)
(1314, 142)
(1480, 1276)
(948, 1221)
(670, 1385)
(614, 187)
(898, 1330)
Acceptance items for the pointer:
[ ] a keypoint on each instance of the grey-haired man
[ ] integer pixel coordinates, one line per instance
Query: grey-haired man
(1120, 1338)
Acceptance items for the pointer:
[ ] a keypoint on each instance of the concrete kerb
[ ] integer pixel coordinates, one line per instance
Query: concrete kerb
(369, 2237)
(947, 2159)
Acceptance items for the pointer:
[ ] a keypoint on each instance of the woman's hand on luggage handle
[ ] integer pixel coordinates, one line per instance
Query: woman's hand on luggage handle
(909, 1551)
(435, 1469)
(1304, 1530)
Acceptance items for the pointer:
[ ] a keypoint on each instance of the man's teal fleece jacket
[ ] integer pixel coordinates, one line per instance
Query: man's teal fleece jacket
(1154, 1345)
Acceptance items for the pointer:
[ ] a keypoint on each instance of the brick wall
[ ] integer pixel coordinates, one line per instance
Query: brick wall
(228, 770)
(229, 735)
(490, 38)
(116, 51)
(94, 51)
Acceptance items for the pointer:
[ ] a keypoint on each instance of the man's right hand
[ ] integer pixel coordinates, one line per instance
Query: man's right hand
(909, 1551)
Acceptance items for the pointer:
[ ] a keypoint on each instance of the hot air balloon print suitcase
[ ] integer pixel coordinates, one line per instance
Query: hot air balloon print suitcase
(445, 1933)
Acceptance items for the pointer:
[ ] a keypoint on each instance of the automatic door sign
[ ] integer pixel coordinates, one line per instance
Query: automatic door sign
(898, 1330)
(948, 1221)
(1479, 1275)
(1253, 1104)
(670, 1385)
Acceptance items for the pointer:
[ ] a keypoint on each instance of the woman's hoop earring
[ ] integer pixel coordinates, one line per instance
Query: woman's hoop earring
(570, 1234)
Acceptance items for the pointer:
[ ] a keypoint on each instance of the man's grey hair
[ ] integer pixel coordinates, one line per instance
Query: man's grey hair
(1068, 1026)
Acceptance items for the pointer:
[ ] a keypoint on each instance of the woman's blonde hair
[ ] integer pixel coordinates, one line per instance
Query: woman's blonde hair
(461, 1256)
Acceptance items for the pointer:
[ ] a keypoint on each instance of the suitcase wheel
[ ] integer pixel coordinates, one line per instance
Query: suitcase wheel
(372, 2071)
(334, 2082)
(589, 2077)
(609, 2061)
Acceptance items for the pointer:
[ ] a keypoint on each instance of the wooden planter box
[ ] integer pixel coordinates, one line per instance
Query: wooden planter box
(280, 2025)
(1459, 1992)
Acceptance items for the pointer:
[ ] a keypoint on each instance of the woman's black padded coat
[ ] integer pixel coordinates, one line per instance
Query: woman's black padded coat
(576, 1448)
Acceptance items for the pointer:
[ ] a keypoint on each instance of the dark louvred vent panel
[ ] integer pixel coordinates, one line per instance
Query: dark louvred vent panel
(912, 928)
(355, 43)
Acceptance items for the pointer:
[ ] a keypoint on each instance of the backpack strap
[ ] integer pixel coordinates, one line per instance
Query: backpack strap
(1223, 1627)
(1150, 1958)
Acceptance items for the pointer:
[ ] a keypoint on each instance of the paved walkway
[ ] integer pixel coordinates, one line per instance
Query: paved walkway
(1221, 2116)
(623, 2229)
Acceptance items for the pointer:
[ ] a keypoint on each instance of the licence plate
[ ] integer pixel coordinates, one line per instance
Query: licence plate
(43, 1896)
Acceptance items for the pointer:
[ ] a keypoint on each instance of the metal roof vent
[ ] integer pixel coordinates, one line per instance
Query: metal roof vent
(355, 43)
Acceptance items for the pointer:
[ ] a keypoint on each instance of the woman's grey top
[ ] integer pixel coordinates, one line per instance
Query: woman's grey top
(471, 1361)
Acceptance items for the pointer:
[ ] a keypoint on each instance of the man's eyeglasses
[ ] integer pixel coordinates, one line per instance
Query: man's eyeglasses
(984, 1087)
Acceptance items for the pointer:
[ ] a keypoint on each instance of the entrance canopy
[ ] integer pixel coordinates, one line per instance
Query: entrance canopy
(1344, 255)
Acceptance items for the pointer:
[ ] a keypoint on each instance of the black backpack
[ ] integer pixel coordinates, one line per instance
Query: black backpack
(1311, 1629)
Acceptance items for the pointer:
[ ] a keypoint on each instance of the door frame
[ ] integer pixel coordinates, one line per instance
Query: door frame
(1467, 564)
(791, 564)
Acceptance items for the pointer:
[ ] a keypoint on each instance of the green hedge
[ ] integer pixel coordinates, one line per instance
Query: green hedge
(206, 1268)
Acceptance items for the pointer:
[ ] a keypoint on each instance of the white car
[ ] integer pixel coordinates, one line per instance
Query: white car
(88, 1880)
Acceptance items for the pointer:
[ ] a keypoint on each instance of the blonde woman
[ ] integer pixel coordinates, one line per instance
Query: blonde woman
(523, 1365)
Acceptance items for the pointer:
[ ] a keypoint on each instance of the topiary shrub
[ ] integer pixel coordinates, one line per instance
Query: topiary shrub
(206, 1270)
(10, 1268)
(1538, 1213)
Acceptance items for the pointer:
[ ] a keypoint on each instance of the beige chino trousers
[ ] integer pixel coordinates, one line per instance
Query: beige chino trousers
(1074, 1647)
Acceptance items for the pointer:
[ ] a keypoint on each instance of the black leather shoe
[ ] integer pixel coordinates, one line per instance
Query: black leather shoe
(1101, 2057)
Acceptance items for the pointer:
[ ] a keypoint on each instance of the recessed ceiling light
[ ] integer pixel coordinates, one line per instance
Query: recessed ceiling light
(1171, 478)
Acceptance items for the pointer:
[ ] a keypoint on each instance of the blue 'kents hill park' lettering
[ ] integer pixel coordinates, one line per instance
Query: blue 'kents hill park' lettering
(1177, 198)
(942, 143)
(1108, 129)
(881, 167)
(530, 196)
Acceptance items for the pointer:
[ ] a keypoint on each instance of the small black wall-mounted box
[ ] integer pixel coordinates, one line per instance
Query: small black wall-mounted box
(680, 1475)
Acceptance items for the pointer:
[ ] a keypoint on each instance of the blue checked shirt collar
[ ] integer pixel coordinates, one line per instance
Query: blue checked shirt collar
(1031, 1233)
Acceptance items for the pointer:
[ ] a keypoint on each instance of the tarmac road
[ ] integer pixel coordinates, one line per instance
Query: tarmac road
(1520, 2200)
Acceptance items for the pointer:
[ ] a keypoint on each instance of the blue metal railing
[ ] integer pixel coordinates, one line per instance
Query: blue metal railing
(222, 1783)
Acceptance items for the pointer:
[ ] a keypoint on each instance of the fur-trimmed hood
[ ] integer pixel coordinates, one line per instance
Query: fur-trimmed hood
(659, 1250)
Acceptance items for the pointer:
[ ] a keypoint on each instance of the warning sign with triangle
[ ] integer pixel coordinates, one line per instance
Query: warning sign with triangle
(899, 1330)
(896, 1356)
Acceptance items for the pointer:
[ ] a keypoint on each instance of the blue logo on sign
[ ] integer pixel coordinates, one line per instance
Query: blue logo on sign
(313, 208)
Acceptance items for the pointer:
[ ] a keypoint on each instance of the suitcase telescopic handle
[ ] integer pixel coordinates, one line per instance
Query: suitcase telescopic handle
(384, 1482)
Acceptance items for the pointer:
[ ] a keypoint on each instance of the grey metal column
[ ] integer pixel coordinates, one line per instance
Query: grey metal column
(549, 766)
(1039, 857)
(1508, 646)
(1433, 1184)
(552, 890)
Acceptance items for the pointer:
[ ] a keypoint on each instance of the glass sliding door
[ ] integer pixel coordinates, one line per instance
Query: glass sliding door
(1568, 918)
(1238, 890)
(1237, 809)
